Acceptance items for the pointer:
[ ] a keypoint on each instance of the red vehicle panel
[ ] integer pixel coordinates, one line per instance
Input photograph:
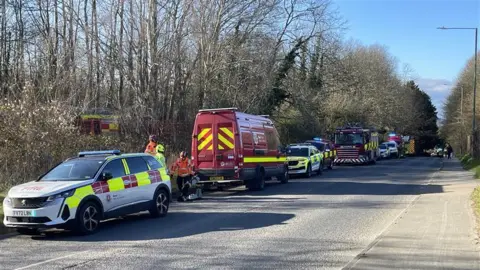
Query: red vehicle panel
(228, 145)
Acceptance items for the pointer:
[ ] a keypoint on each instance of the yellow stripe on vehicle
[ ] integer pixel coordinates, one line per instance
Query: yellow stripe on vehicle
(205, 142)
(164, 175)
(116, 184)
(143, 179)
(220, 147)
(210, 147)
(227, 132)
(78, 195)
(203, 132)
(125, 166)
(263, 159)
(225, 141)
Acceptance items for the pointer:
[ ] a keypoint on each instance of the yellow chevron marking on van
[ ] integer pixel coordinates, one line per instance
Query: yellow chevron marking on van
(227, 132)
(225, 141)
(205, 142)
(203, 132)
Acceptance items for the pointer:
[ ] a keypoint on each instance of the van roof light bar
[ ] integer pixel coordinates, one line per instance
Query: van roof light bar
(219, 109)
(99, 153)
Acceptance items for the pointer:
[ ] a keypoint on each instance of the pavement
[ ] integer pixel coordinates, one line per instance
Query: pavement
(437, 231)
(398, 214)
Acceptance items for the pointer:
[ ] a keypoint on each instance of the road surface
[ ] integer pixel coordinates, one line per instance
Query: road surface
(320, 223)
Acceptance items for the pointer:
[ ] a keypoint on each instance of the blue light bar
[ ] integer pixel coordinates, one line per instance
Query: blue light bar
(317, 139)
(96, 153)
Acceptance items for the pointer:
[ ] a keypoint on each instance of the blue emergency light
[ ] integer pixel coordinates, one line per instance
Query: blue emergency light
(317, 139)
(97, 153)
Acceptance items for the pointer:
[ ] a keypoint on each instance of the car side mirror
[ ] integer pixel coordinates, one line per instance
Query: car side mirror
(106, 176)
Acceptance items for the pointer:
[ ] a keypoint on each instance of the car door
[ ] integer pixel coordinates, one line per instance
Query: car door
(314, 158)
(112, 191)
(138, 182)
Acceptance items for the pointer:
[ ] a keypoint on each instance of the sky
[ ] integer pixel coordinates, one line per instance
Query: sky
(409, 30)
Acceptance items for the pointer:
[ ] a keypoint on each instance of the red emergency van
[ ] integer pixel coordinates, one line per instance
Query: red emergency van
(229, 147)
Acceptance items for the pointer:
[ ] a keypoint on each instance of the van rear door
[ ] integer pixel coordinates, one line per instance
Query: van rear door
(215, 145)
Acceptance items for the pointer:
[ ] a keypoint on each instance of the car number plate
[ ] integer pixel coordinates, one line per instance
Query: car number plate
(23, 213)
(216, 178)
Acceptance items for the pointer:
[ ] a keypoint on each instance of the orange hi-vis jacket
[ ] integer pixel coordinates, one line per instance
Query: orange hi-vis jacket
(151, 148)
(182, 167)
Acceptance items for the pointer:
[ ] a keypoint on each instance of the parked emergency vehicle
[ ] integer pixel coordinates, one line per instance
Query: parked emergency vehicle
(356, 145)
(304, 158)
(327, 148)
(392, 137)
(98, 122)
(81, 191)
(231, 147)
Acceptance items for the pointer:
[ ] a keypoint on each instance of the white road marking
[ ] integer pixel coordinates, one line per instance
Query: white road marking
(51, 260)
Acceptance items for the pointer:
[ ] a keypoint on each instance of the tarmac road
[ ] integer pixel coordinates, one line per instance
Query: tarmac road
(318, 223)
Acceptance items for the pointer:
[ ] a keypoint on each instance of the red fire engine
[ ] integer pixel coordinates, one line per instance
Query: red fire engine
(356, 145)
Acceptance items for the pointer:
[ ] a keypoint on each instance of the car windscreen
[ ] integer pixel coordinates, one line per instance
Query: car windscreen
(392, 145)
(383, 146)
(297, 152)
(74, 170)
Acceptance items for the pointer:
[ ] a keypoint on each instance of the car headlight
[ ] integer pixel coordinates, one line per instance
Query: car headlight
(7, 201)
(64, 194)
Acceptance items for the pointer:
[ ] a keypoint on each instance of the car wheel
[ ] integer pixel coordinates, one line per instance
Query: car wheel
(308, 174)
(28, 231)
(160, 204)
(284, 177)
(88, 218)
(320, 169)
(330, 167)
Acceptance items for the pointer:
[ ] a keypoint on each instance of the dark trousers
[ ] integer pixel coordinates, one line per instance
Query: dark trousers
(449, 155)
(181, 181)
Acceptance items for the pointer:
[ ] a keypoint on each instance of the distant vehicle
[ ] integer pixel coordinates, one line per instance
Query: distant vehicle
(327, 148)
(384, 151)
(98, 122)
(81, 191)
(393, 148)
(356, 145)
(304, 158)
(231, 147)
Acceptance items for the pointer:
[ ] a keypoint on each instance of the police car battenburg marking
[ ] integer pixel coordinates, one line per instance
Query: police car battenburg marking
(128, 181)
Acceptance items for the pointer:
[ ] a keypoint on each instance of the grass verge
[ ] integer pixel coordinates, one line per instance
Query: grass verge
(476, 206)
(473, 165)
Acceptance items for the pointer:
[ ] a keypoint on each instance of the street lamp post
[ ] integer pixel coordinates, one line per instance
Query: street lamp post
(474, 74)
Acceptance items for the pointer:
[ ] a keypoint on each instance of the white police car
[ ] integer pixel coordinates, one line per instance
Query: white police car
(81, 191)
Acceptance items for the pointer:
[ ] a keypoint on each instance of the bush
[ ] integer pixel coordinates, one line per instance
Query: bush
(35, 139)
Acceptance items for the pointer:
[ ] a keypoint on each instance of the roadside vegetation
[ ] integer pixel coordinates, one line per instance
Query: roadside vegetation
(473, 164)
(457, 122)
(156, 65)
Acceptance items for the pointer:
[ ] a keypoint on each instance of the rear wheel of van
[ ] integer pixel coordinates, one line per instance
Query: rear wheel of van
(284, 177)
(258, 183)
